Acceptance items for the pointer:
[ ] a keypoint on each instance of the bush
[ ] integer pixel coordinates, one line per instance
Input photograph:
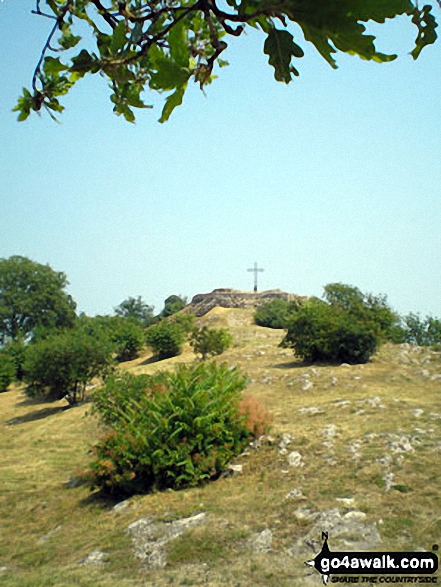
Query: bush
(125, 335)
(166, 339)
(210, 341)
(171, 429)
(7, 371)
(275, 314)
(186, 322)
(128, 340)
(371, 310)
(321, 332)
(60, 366)
(172, 305)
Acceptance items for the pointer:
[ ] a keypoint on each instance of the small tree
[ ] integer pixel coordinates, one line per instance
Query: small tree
(32, 295)
(125, 335)
(7, 371)
(61, 366)
(275, 313)
(210, 341)
(422, 331)
(321, 332)
(172, 305)
(165, 339)
(135, 309)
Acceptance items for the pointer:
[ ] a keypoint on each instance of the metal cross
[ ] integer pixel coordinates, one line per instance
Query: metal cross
(255, 270)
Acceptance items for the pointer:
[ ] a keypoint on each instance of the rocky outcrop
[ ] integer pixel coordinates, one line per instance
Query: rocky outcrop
(233, 298)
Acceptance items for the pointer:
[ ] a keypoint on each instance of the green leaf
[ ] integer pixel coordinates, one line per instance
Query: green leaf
(179, 47)
(67, 39)
(280, 47)
(83, 63)
(53, 66)
(118, 37)
(167, 73)
(172, 102)
(426, 24)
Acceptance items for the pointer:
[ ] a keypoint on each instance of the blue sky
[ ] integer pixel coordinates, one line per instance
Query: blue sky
(335, 177)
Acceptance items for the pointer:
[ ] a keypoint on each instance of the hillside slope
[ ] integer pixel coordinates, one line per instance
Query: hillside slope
(354, 450)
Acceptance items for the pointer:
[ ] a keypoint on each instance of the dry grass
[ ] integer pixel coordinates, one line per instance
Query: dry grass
(46, 528)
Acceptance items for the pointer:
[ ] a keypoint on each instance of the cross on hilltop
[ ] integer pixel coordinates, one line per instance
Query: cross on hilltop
(255, 270)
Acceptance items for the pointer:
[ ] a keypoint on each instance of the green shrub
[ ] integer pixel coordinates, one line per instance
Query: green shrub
(186, 322)
(125, 335)
(171, 429)
(172, 305)
(210, 341)
(165, 339)
(321, 332)
(16, 350)
(371, 310)
(128, 340)
(7, 371)
(60, 366)
(275, 314)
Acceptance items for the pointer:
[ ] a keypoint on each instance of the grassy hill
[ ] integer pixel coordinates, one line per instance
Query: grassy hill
(354, 450)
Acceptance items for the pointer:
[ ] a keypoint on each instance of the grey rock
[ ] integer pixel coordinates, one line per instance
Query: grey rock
(295, 494)
(97, 558)
(307, 385)
(261, 542)
(400, 444)
(310, 410)
(329, 431)
(295, 459)
(121, 506)
(49, 535)
(388, 479)
(347, 501)
(150, 538)
(417, 413)
(285, 441)
(234, 469)
(349, 531)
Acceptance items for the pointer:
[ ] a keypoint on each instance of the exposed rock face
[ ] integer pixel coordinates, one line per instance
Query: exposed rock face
(233, 298)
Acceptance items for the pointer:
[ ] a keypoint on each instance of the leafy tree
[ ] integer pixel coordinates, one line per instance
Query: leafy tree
(422, 331)
(209, 342)
(124, 335)
(166, 339)
(275, 313)
(32, 295)
(366, 308)
(172, 305)
(7, 371)
(60, 366)
(322, 332)
(162, 46)
(172, 429)
(135, 309)
(15, 350)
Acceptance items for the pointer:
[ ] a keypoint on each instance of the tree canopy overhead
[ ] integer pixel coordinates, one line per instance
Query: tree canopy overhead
(32, 296)
(163, 44)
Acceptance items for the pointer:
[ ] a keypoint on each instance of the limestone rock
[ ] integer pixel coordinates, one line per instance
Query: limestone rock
(295, 459)
(232, 298)
(97, 558)
(261, 542)
(150, 538)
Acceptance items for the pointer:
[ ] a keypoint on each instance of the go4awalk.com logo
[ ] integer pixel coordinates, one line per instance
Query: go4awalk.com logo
(361, 565)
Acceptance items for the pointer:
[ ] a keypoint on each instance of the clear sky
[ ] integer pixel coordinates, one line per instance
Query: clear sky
(333, 178)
